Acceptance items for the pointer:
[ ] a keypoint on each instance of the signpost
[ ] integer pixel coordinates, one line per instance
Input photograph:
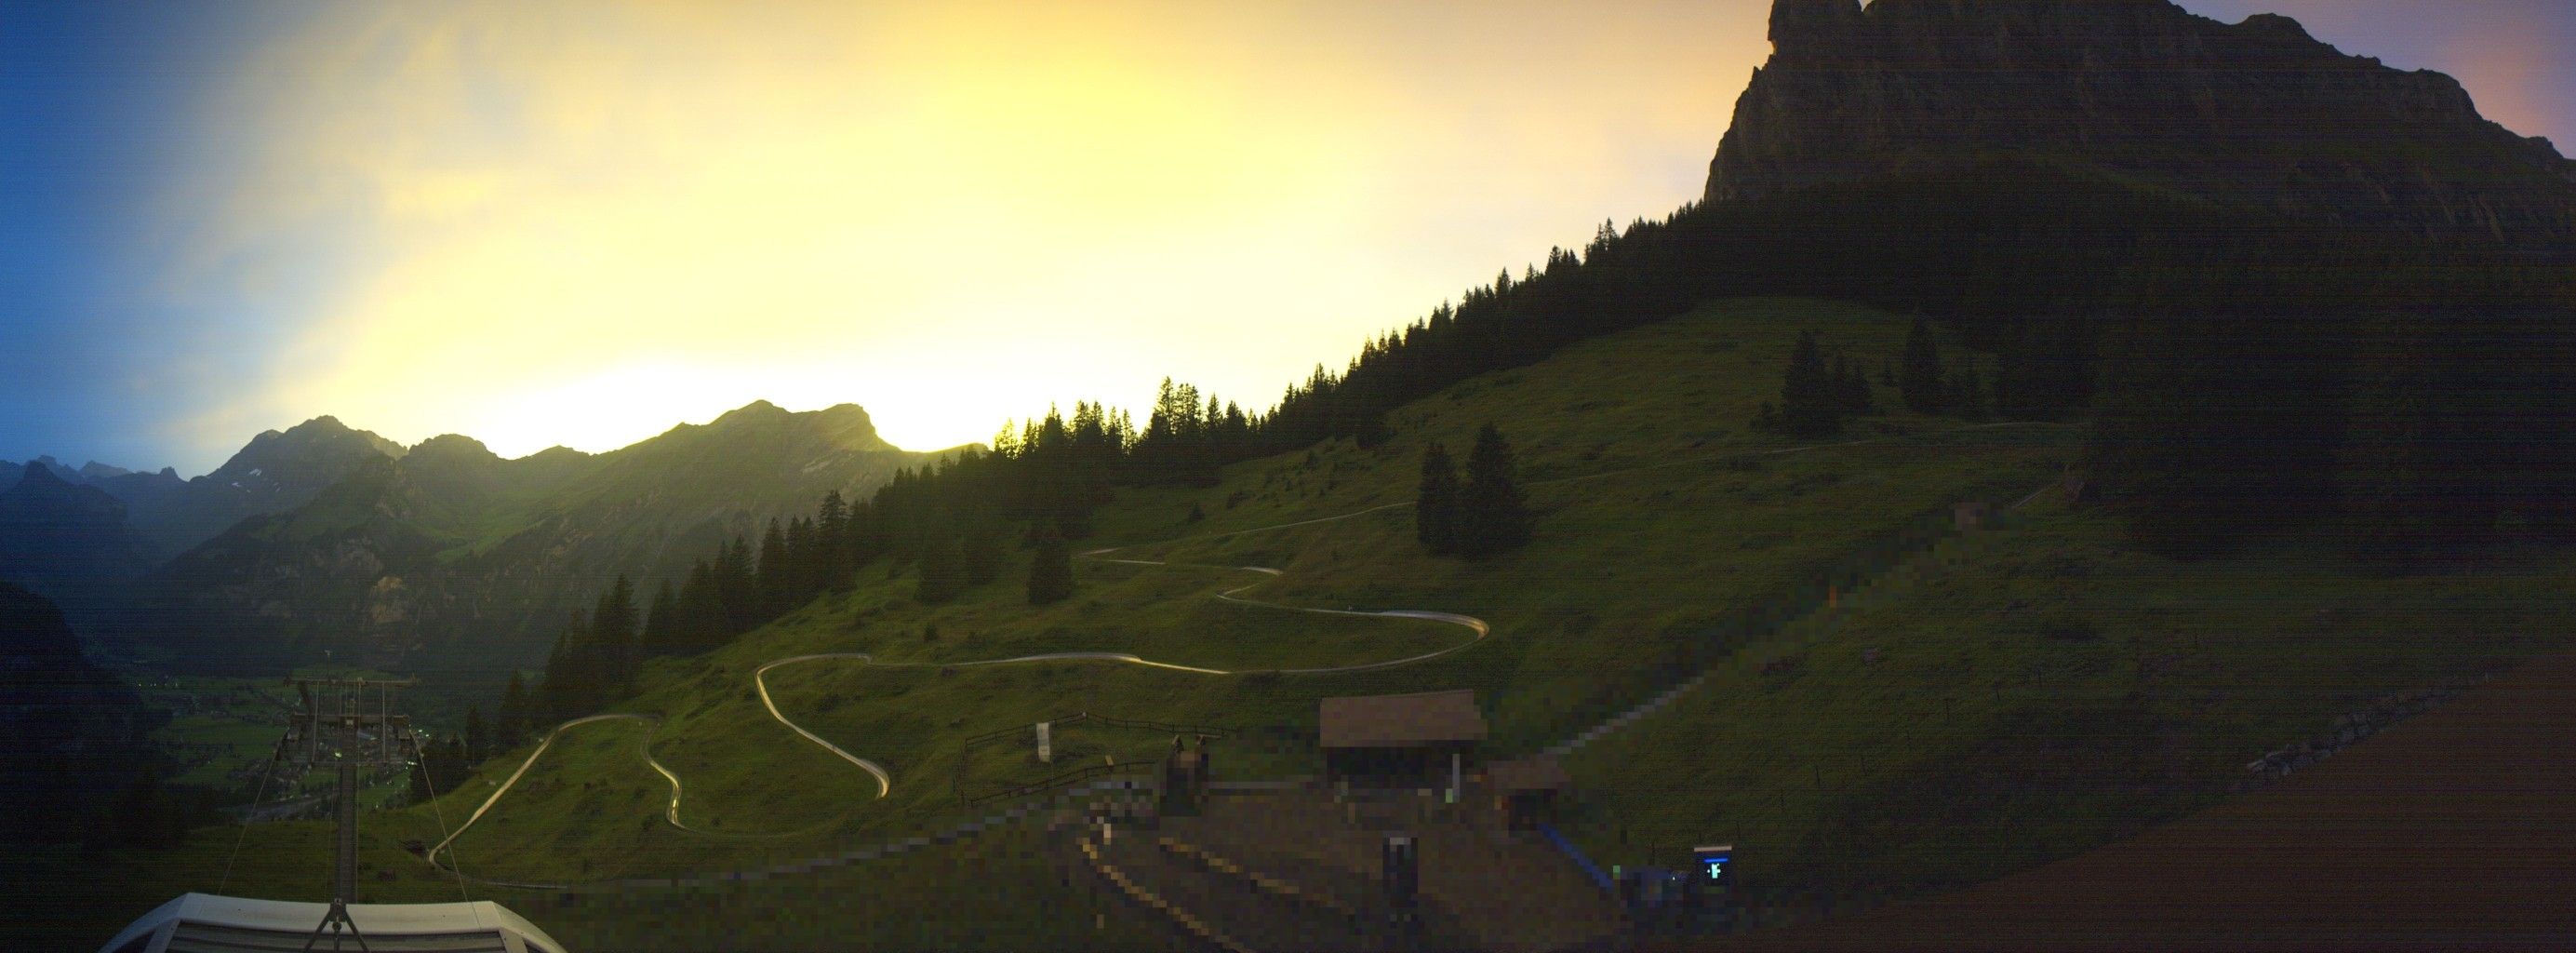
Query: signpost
(1713, 861)
(1711, 906)
(1046, 746)
(1400, 861)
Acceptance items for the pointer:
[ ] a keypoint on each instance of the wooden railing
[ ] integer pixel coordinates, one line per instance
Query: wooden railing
(1067, 779)
(966, 754)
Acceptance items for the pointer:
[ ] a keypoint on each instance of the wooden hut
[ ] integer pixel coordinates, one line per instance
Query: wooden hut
(1526, 790)
(1421, 740)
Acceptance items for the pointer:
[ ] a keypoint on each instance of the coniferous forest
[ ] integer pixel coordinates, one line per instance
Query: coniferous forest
(2249, 374)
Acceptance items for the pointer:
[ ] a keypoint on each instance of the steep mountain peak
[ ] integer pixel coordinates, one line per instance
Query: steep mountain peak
(557, 454)
(758, 410)
(845, 426)
(41, 471)
(2256, 114)
(327, 427)
(44, 497)
(451, 444)
(846, 417)
(1794, 23)
(2277, 26)
(323, 441)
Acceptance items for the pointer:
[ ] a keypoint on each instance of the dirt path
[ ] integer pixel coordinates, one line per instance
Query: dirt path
(2455, 830)
(884, 780)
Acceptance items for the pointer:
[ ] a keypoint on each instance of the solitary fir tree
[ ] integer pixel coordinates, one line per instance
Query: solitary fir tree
(1967, 392)
(1851, 388)
(983, 551)
(943, 574)
(1812, 401)
(513, 721)
(774, 571)
(612, 633)
(662, 622)
(1921, 382)
(1493, 518)
(1050, 568)
(1435, 508)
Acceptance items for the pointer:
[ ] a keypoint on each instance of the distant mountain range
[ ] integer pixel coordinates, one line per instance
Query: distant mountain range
(274, 472)
(328, 540)
(1894, 116)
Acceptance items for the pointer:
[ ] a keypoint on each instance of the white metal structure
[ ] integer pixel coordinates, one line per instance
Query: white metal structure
(204, 922)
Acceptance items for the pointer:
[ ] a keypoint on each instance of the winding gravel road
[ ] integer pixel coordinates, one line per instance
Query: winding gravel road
(885, 779)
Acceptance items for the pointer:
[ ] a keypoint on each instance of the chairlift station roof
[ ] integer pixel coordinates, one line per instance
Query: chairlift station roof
(1417, 720)
(206, 922)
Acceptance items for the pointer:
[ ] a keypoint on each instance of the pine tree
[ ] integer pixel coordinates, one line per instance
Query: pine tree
(983, 555)
(1851, 388)
(612, 632)
(1921, 383)
(1050, 567)
(943, 574)
(737, 587)
(478, 738)
(1493, 517)
(1435, 508)
(833, 565)
(567, 686)
(804, 574)
(420, 780)
(773, 573)
(512, 724)
(662, 623)
(1967, 397)
(1810, 404)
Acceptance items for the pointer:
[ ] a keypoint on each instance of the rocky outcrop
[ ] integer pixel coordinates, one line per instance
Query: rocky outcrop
(2255, 113)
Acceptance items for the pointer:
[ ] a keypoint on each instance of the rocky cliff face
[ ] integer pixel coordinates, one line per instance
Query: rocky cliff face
(2255, 113)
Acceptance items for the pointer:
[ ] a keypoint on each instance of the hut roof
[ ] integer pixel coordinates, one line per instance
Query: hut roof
(1529, 774)
(1402, 721)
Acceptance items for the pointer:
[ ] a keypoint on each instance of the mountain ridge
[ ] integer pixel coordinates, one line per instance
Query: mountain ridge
(2257, 113)
(450, 551)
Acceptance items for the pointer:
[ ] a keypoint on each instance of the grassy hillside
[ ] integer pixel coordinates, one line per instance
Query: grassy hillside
(2110, 688)
(1668, 533)
(2028, 692)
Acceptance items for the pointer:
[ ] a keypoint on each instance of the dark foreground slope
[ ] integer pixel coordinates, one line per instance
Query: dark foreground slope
(70, 734)
(2453, 831)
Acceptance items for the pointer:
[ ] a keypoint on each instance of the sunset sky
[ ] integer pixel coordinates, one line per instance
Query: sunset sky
(581, 223)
